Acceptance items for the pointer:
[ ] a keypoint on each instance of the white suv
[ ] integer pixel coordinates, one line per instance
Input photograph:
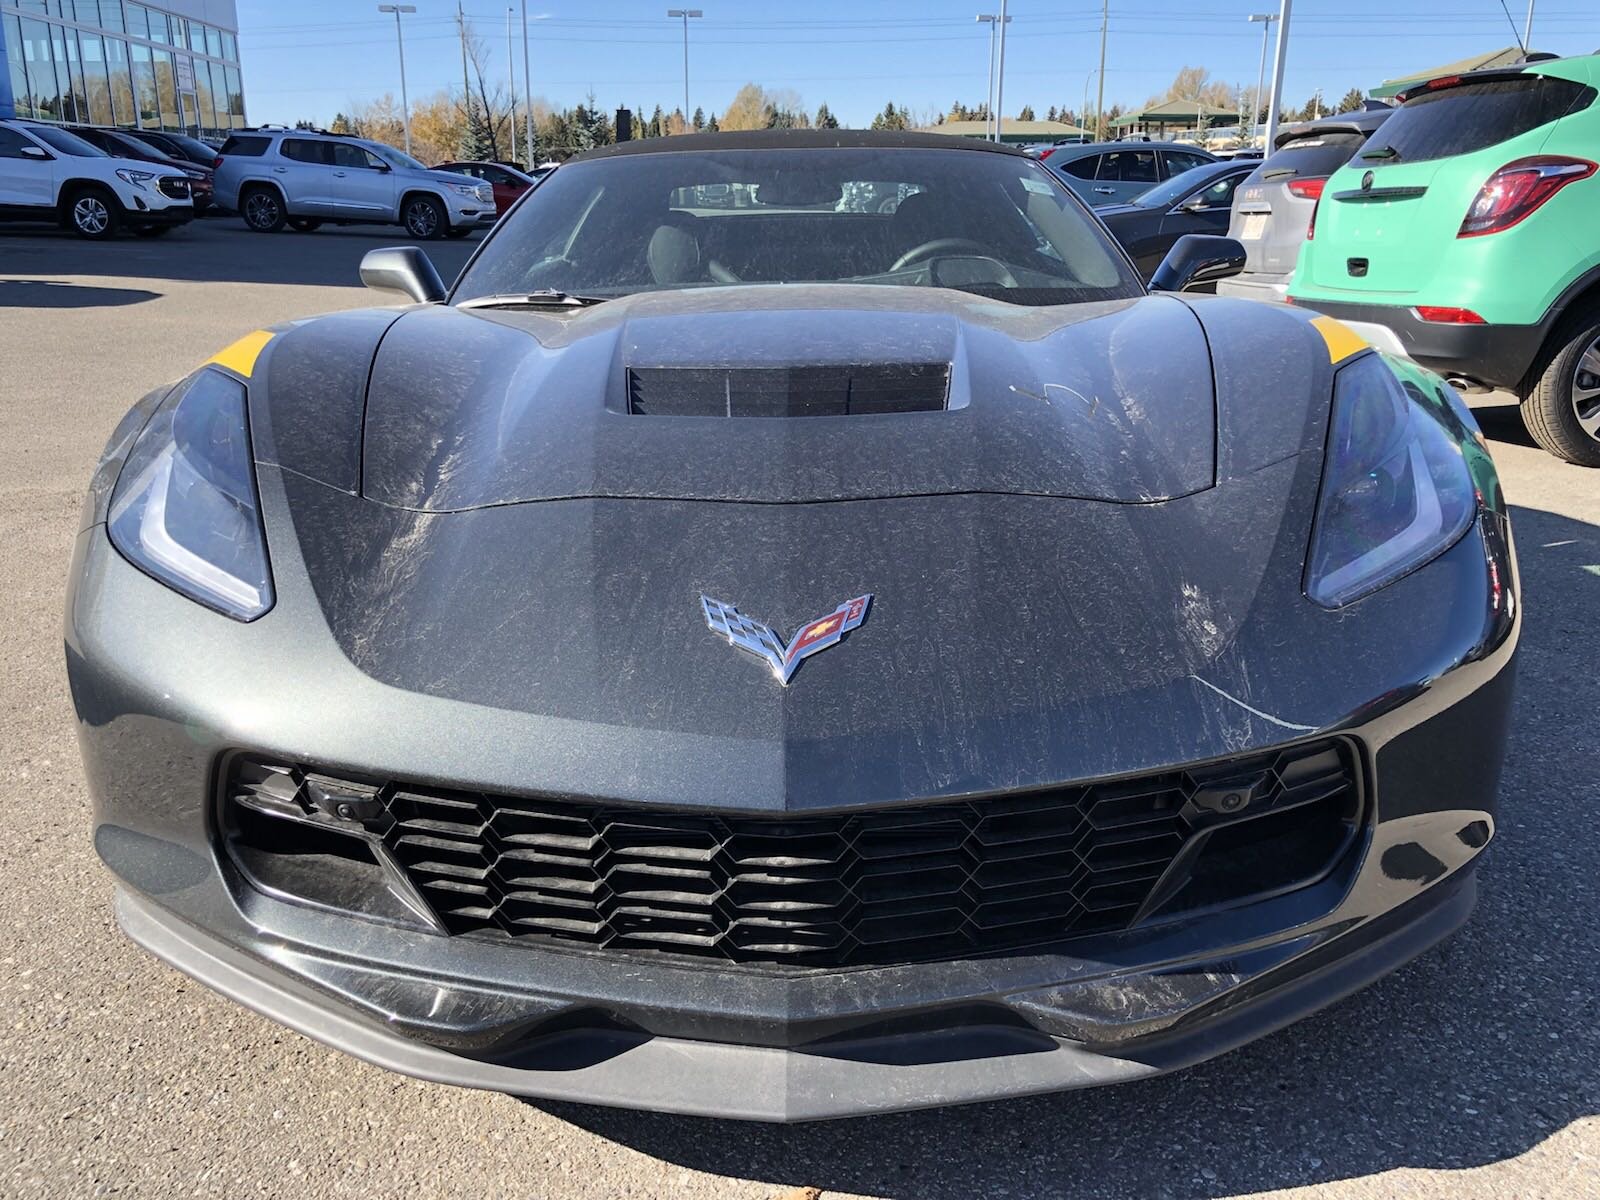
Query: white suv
(302, 178)
(48, 174)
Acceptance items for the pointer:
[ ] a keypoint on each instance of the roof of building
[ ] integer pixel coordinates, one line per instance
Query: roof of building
(1010, 127)
(1173, 111)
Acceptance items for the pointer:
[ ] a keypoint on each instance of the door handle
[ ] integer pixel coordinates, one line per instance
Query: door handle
(280, 170)
(338, 174)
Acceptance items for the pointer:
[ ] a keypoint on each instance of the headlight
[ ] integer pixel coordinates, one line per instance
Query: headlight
(184, 509)
(137, 178)
(1396, 490)
(464, 189)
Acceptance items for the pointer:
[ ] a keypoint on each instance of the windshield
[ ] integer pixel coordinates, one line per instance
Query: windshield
(395, 158)
(997, 225)
(193, 149)
(67, 143)
(1177, 187)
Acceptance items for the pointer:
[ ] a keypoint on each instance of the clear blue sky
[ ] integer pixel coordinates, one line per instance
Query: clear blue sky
(312, 58)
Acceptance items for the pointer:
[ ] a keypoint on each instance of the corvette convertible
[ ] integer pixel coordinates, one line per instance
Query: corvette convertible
(796, 630)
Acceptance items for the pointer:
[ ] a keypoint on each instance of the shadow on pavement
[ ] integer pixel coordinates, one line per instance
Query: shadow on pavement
(221, 250)
(1475, 1053)
(50, 293)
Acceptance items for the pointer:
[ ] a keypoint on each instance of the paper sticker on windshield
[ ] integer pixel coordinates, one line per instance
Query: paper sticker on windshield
(1038, 187)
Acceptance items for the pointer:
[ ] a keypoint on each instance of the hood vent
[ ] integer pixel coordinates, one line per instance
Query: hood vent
(829, 391)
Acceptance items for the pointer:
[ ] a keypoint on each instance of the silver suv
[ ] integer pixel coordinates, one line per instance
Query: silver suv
(299, 178)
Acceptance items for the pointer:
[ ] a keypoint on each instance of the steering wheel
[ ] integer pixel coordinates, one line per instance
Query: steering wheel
(936, 247)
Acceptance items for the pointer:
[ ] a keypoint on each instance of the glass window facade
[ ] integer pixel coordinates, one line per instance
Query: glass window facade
(117, 63)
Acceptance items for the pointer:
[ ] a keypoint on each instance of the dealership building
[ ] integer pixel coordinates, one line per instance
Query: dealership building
(113, 62)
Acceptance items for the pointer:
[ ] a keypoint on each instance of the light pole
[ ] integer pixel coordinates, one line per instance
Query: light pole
(400, 41)
(1100, 96)
(685, 14)
(1000, 76)
(1277, 72)
(993, 21)
(1527, 30)
(1266, 20)
(511, 66)
(527, 84)
(1083, 113)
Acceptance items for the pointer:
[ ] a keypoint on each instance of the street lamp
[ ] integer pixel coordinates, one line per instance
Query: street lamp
(1277, 71)
(527, 85)
(685, 14)
(1266, 20)
(993, 19)
(511, 66)
(400, 41)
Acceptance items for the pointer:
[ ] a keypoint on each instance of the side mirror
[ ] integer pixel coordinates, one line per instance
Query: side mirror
(35, 152)
(384, 168)
(403, 269)
(1197, 259)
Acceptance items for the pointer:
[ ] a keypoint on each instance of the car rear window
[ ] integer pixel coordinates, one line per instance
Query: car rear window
(1474, 116)
(246, 147)
(1314, 155)
(306, 151)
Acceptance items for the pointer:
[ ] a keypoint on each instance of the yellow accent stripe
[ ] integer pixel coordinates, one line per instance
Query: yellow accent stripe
(1342, 340)
(242, 355)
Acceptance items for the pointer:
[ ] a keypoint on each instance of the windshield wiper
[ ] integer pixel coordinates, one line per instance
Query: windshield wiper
(543, 298)
(1381, 152)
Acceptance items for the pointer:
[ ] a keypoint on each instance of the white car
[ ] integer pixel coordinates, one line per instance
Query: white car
(48, 174)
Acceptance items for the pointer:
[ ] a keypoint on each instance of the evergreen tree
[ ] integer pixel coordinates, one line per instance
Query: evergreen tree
(890, 118)
(656, 120)
(825, 118)
(477, 143)
(341, 124)
(711, 124)
(1026, 114)
(699, 119)
(1352, 102)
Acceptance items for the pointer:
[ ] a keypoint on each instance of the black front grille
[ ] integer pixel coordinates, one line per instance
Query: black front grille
(867, 886)
(811, 391)
(172, 186)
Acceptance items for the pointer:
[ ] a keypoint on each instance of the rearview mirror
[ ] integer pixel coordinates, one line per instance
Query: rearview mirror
(34, 152)
(1197, 259)
(402, 269)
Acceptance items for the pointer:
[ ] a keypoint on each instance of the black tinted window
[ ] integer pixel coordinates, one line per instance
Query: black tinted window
(1082, 168)
(307, 151)
(1312, 156)
(245, 147)
(11, 143)
(1473, 116)
(1129, 166)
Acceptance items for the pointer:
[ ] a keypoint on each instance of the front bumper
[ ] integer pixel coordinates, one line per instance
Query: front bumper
(157, 715)
(1497, 356)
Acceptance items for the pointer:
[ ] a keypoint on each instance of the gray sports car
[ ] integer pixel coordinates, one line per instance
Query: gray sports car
(798, 658)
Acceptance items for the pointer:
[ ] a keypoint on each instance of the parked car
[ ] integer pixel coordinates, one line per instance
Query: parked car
(1116, 172)
(507, 181)
(1138, 683)
(119, 144)
(177, 146)
(49, 174)
(1463, 236)
(1272, 208)
(1198, 201)
(274, 177)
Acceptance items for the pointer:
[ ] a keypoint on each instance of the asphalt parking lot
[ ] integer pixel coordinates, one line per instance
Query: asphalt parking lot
(1474, 1071)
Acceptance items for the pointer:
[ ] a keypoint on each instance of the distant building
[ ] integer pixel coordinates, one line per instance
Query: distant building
(1508, 56)
(1172, 116)
(1011, 131)
(106, 62)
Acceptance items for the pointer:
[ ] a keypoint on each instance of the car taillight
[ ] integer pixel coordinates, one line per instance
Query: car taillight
(1308, 189)
(1448, 316)
(1517, 189)
(1311, 225)
(216, 162)
(1046, 153)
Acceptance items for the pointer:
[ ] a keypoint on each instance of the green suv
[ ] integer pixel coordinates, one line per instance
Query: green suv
(1463, 235)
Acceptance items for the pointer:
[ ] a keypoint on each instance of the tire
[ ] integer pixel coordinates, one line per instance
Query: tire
(424, 218)
(92, 212)
(262, 209)
(151, 231)
(457, 233)
(304, 224)
(1562, 412)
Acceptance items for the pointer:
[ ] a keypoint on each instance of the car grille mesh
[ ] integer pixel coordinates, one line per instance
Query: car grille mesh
(865, 886)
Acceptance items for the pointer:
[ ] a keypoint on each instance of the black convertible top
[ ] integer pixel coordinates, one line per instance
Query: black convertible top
(797, 139)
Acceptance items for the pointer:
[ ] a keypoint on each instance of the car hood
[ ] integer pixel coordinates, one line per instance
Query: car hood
(145, 164)
(471, 408)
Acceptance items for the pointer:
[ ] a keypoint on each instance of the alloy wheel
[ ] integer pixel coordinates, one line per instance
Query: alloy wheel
(421, 220)
(91, 215)
(261, 210)
(1586, 390)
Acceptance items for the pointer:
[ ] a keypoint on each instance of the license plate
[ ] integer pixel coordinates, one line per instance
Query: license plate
(1255, 224)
